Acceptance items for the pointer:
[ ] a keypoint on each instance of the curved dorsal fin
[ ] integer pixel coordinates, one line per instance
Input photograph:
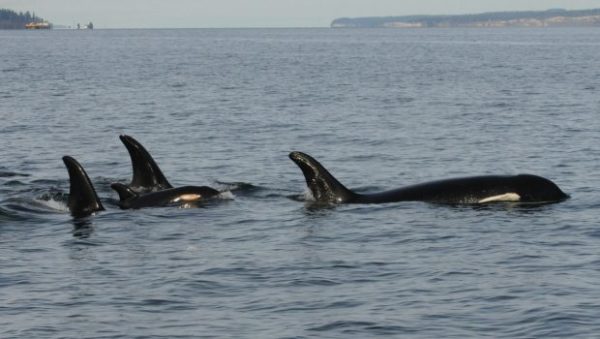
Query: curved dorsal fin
(83, 199)
(125, 192)
(146, 173)
(323, 186)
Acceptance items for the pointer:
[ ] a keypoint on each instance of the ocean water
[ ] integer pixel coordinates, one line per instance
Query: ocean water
(224, 107)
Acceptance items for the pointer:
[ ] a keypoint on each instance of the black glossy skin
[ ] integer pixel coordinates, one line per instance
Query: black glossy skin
(169, 197)
(83, 199)
(470, 190)
(147, 176)
(149, 187)
(530, 188)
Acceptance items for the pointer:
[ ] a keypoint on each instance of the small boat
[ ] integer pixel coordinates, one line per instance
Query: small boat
(38, 25)
(88, 26)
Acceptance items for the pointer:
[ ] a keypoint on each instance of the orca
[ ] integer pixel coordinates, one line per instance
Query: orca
(172, 196)
(149, 187)
(83, 200)
(523, 188)
(147, 176)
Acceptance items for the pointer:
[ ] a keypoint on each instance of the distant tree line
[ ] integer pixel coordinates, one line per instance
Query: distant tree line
(436, 20)
(12, 20)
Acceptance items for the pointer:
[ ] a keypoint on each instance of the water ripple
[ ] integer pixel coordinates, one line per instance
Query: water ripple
(380, 108)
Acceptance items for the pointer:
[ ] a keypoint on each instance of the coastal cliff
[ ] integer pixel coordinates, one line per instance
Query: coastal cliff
(549, 18)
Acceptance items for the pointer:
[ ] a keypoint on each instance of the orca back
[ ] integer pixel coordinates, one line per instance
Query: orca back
(180, 195)
(525, 188)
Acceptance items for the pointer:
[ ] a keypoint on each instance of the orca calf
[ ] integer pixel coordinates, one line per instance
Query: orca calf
(149, 187)
(470, 190)
(172, 196)
(147, 176)
(83, 199)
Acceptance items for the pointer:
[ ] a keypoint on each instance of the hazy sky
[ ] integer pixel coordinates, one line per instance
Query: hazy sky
(259, 13)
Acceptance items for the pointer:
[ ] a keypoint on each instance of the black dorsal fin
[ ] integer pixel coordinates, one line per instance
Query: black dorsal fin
(83, 199)
(147, 176)
(125, 192)
(323, 186)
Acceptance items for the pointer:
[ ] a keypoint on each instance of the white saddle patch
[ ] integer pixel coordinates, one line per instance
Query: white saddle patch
(501, 197)
(188, 197)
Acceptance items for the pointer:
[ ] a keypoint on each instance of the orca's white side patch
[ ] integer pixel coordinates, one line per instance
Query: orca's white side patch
(187, 197)
(501, 197)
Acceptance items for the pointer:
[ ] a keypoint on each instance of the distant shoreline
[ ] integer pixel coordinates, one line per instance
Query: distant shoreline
(548, 18)
(10, 19)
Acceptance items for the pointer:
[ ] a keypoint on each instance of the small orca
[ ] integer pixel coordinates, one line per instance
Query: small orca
(172, 196)
(470, 190)
(83, 199)
(147, 176)
(149, 187)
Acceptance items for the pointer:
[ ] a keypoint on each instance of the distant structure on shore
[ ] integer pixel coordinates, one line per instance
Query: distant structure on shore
(549, 18)
(88, 26)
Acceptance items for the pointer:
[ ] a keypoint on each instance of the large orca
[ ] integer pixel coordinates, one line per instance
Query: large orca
(470, 190)
(83, 199)
(147, 176)
(179, 196)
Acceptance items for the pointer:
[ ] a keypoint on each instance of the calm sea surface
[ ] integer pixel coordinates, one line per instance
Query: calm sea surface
(379, 108)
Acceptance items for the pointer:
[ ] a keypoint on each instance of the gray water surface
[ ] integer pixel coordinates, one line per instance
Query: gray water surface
(379, 108)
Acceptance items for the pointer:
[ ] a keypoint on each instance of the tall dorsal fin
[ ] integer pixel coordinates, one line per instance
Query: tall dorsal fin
(323, 186)
(125, 192)
(146, 173)
(83, 199)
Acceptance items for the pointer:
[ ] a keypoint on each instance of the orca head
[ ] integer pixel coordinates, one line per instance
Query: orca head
(323, 186)
(83, 199)
(533, 188)
(147, 176)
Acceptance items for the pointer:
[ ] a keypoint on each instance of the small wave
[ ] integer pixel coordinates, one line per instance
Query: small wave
(304, 306)
(314, 282)
(338, 325)
(245, 189)
(7, 215)
(368, 327)
(237, 186)
(8, 174)
(45, 203)
(178, 85)
(296, 197)
(52, 204)
(14, 183)
(227, 195)
(48, 183)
